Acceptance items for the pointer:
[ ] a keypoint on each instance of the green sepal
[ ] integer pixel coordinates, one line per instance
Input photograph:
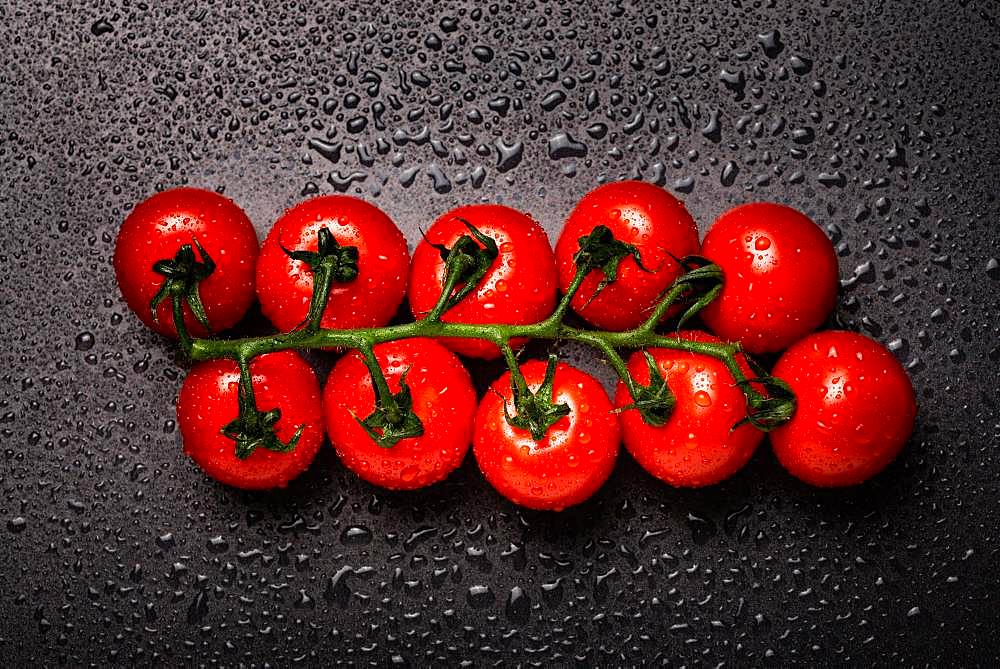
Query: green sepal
(655, 402)
(340, 261)
(466, 262)
(774, 407)
(330, 263)
(184, 272)
(386, 430)
(536, 412)
(253, 428)
(600, 250)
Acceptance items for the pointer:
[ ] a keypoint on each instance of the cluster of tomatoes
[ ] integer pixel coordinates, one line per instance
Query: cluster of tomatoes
(855, 404)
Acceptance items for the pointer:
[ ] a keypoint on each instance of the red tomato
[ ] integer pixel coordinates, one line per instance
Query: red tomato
(572, 460)
(443, 399)
(519, 288)
(285, 285)
(697, 446)
(855, 409)
(780, 276)
(639, 214)
(156, 230)
(209, 401)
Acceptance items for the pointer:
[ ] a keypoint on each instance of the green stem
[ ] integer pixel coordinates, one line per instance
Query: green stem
(451, 281)
(322, 280)
(246, 382)
(571, 290)
(210, 349)
(177, 306)
(384, 396)
(614, 359)
(662, 306)
(734, 368)
(520, 385)
(363, 339)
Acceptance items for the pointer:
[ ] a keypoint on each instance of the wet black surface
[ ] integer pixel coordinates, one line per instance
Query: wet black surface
(878, 120)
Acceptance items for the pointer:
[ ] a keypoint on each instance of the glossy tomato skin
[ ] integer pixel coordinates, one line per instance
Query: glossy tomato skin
(780, 276)
(570, 463)
(518, 289)
(209, 400)
(158, 227)
(285, 285)
(696, 446)
(855, 409)
(443, 399)
(640, 214)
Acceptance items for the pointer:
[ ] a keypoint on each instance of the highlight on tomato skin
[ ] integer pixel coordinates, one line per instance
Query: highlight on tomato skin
(208, 401)
(699, 444)
(284, 284)
(780, 276)
(640, 214)
(855, 409)
(443, 399)
(519, 288)
(157, 229)
(572, 461)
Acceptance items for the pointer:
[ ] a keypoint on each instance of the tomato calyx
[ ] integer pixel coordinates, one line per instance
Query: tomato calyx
(182, 275)
(535, 411)
(655, 402)
(600, 250)
(330, 262)
(466, 262)
(770, 409)
(393, 418)
(253, 428)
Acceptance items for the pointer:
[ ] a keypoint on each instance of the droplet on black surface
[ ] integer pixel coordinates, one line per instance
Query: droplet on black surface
(553, 100)
(729, 172)
(85, 341)
(508, 155)
(480, 596)
(562, 145)
(356, 534)
(101, 27)
(771, 43)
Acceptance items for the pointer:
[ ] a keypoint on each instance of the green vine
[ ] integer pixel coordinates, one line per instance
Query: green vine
(770, 402)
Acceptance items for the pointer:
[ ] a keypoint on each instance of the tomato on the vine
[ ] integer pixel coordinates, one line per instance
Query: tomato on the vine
(570, 462)
(780, 274)
(855, 409)
(442, 398)
(209, 402)
(699, 444)
(370, 283)
(519, 286)
(216, 236)
(649, 219)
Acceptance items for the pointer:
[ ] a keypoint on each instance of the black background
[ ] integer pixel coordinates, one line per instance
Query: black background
(878, 119)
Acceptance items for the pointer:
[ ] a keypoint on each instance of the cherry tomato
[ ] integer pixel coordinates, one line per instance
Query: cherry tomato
(518, 288)
(780, 276)
(855, 409)
(572, 460)
(443, 399)
(209, 401)
(697, 446)
(370, 299)
(157, 229)
(639, 214)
